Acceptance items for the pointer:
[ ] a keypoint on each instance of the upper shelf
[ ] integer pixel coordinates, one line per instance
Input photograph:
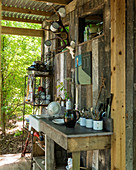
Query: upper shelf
(32, 104)
(39, 73)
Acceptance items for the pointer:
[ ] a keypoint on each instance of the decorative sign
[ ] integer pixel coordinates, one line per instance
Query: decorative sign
(83, 68)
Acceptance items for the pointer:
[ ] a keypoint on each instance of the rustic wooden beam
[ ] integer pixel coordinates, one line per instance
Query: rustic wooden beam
(49, 153)
(76, 160)
(90, 143)
(22, 31)
(26, 11)
(94, 17)
(71, 6)
(21, 20)
(58, 2)
(1, 122)
(118, 84)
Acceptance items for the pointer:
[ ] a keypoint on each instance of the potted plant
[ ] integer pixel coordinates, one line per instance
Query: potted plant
(61, 88)
(97, 121)
(89, 120)
(82, 118)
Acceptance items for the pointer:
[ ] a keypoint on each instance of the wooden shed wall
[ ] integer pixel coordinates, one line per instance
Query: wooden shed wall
(91, 159)
(101, 159)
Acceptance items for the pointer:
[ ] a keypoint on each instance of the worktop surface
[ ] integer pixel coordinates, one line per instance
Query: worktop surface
(77, 131)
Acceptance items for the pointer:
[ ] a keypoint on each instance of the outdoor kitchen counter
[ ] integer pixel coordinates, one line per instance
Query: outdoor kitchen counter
(73, 140)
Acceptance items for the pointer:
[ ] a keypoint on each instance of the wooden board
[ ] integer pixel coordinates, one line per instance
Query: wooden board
(118, 81)
(49, 153)
(88, 143)
(1, 116)
(26, 11)
(130, 87)
(21, 20)
(134, 93)
(76, 161)
(62, 2)
(75, 139)
(22, 31)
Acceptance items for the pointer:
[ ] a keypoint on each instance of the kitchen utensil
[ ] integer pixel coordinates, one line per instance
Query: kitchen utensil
(70, 118)
(54, 26)
(53, 108)
(62, 12)
(58, 121)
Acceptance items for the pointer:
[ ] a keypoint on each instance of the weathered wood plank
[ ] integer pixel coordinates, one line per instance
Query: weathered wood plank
(105, 68)
(88, 143)
(21, 20)
(90, 8)
(71, 6)
(54, 135)
(22, 31)
(130, 67)
(1, 122)
(75, 160)
(62, 2)
(37, 151)
(118, 84)
(26, 11)
(134, 113)
(49, 153)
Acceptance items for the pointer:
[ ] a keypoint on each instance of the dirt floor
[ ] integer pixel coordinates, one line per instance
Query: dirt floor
(11, 148)
(14, 162)
(11, 142)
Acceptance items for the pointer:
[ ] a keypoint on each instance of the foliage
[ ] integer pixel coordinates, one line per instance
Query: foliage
(18, 53)
(62, 88)
(18, 133)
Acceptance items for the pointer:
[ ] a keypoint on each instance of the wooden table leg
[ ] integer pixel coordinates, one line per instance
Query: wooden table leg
(75, 160)
(49, 153)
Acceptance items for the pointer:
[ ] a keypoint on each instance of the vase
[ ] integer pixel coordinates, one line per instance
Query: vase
(98, 124)
(89, 123)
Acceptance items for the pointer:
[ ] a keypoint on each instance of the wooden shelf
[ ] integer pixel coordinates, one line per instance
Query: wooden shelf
(38, 160)
(40, 146)
(32, 104)
(39, 73)
(86, 42)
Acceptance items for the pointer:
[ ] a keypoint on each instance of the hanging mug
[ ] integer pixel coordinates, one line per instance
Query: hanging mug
(62, 12)
(54, 26)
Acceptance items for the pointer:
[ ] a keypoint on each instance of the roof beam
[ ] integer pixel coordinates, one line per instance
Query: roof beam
(58, 2)
(94, 17)
(26, 11)
(21, 20)
(22, 31)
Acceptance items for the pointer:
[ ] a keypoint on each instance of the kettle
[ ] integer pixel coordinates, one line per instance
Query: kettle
(70, 118)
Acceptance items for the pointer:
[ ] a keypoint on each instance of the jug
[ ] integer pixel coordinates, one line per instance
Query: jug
(70, 118)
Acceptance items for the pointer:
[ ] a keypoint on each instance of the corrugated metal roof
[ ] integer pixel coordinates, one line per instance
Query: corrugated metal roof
(27, 4)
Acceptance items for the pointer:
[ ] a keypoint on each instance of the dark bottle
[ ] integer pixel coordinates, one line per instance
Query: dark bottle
(70, 118)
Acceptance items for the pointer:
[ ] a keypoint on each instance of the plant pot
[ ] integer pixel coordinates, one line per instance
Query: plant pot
(98, 124)
(89, 123)
(82, 121)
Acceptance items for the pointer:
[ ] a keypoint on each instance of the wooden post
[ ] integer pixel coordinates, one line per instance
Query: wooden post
(49, 153)
(75, 160)
(118, 83)
(0, 64)
(42, 59)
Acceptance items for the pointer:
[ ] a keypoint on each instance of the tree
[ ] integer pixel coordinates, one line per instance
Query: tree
(18, 53)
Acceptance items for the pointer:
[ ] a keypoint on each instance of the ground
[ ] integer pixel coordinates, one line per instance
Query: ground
(11, 148)
(11, 143)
